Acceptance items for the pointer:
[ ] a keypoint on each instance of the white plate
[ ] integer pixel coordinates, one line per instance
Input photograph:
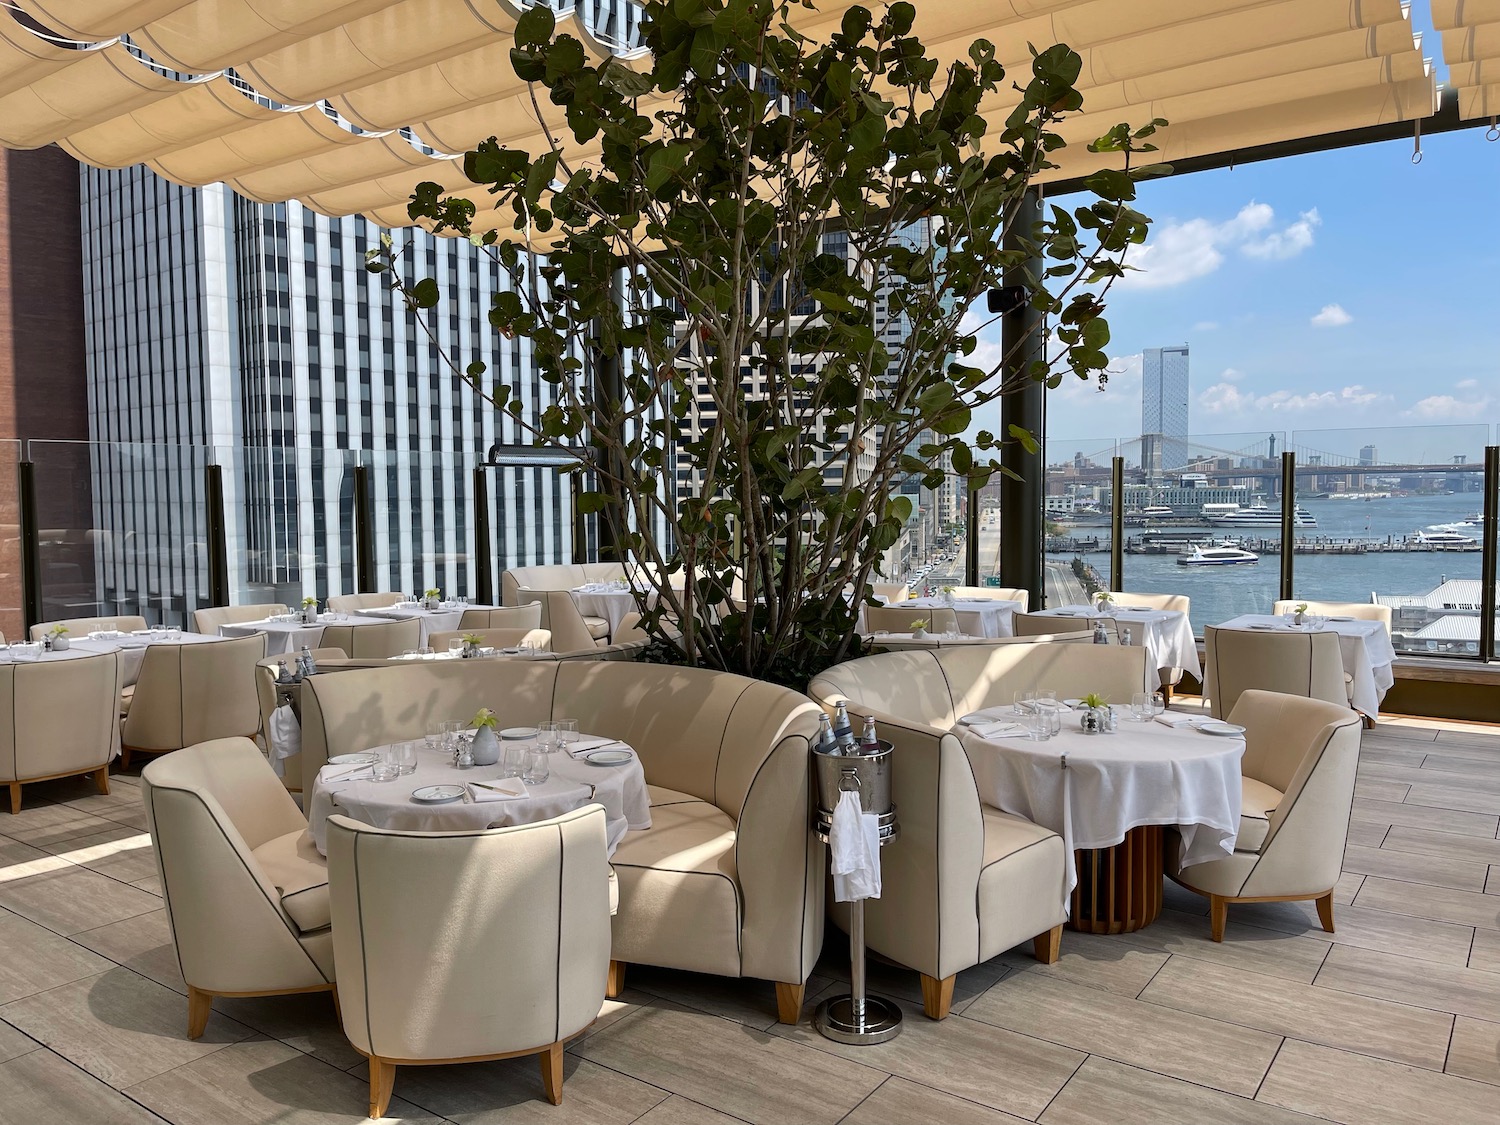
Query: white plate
(363, 758)
(518, 734)
(438, 794)
(607, 757)
(1071, 703)
(1225, 729)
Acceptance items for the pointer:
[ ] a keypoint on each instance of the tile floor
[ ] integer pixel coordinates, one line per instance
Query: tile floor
(1393, 1020)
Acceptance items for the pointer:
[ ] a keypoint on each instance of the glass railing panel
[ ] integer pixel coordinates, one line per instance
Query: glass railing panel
(1076, 518)
(12, 614)
(1393, 514)
(123, 530)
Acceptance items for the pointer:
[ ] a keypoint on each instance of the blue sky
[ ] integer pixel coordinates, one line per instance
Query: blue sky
(1343, 289)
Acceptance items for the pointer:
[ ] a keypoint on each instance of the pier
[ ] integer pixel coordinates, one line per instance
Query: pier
(1181, 544)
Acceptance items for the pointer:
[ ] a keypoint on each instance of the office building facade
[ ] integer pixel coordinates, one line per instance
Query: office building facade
(1164, 411)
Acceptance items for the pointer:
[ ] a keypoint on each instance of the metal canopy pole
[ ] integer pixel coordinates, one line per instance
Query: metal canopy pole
(1288, 522)
(1488, 549)
(31, 546)
(1021, 494)
(218, 546)
(484, 574)
(1117, 524)
(364, 532)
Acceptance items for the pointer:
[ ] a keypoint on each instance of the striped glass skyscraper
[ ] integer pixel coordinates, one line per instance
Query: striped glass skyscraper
(1164, 410)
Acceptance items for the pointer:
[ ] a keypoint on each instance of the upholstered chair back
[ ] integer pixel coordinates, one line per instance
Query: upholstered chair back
(58, 717)
(188, 694)
(207, 808)
(453, 945)
(1360, 611)
(209, 620)
(564, 576)
(374, 642)
(506, 617)
(1035, 625)
(539, 639)
(560, 617)
(1178, 603)
(353, 603)
(79, 626)
(891, 591)
(901, 619)
(1306, 664)
(999, 593)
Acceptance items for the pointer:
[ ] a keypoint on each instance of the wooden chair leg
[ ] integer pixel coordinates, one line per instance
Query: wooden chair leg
(615, 983)
(199, 1005)
(1218, 915)
(552, 1073)
(382, 1082)
(937, 996)
(338, 1009)
(125, 757)
(1325, 911)
(101, 780)
(1047, 947)
(15, 797)
(789, 1001)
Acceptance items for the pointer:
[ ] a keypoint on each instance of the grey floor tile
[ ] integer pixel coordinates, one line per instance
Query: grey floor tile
(1121, 964)
(1373, 750)
(1371, 1026)
(900, 1101)
(679, 1111)
(1443, 988)
(151, 886)
(1439, 871)
(35, 959)
(1255, 949)
(900, 983)
(48, 824)
(1179, 898)
(1485, 952)
(74, 899)
(745, 1000)
(975, 1061)
(1492, 880)
(142, 943)
(1343, 1086)
(1357, 924)
(1368, 811)
(1368, 835)
(1463, 796)
(1422, 841)
(120, 1027)
(13, 1043)
(20, 861)
(263, 1082)
(1347, 887)
(770, 1079)
(1462, 908)
(1440, 761)
(1381, 789)
(1210, 1052)
(1109, 1093)
(306, 1021)
(42, 1088)
(1475, 1051)
(1403, 728)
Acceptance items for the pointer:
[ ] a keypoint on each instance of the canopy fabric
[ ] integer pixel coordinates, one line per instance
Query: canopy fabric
(346, 105)
(1471, 48)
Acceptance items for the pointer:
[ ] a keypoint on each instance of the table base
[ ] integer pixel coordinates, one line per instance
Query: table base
(1120, 888)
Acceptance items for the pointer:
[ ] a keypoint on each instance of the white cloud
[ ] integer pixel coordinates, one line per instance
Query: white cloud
(1231, 375)
(1206, 326)
(1447, 408)
(1182, 252)
(1226, 398)
(1467, 384)
(1331, 316)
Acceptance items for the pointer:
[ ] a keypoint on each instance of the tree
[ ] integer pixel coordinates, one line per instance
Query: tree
(692, 259)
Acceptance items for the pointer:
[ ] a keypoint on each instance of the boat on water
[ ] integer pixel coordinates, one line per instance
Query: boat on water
(1156, 512)
(1218, 556)
(1258, 515)
(1469, 525)
(1450, 539)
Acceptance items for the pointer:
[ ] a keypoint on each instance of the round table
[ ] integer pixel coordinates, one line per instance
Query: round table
(977, 617)
(573, 783)
(1109, 796)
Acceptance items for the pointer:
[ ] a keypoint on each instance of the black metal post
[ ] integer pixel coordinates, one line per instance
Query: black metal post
(580, 522)
(1117, 524)
(31, 547)
(364, 532)
(218, 543)
(484, 574)
(1487, 552)
(1288, 522)
(971, 540)
(609, 392)
(1022, 489)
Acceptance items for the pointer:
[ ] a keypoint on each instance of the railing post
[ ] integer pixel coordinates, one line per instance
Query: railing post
(1487, 552)
(971, 539)
(218, 544)
(1117, 524)
(31, 547)
(580, 521)
(1288, 522)
(484, 575)
(1023, 487)
(364, 533)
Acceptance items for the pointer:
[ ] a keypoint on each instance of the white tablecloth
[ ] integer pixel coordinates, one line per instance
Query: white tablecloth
(446, 619)
(1146, 773)
(1364, 645)
(131, 650)
(289, 636)
(387, 804)
(1166, 634)
(612, 605)
(977, 617)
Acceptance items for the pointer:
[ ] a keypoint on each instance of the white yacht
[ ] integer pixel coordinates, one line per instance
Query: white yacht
(1258, 515)
(1448, 539)
(1218, 556)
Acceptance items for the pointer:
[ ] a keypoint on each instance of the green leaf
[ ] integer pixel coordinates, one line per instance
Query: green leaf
(1024, 436)
(535, 26)
(424, 294)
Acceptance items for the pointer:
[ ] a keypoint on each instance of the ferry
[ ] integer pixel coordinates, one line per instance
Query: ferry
(1260, 516)
(1218, 556)
(1448, 539)
(1156, 512)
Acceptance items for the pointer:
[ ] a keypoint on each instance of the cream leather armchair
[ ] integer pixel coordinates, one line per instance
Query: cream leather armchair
(539, 639)
(1236, 660)
(60, 718)
(1300, 759)
(1000, 593)
(374, 642)
(1360, 611)
(1036, 625)
(571, 630)
(441, 967)
(729, 878)
(246, 893)
(897, 641)
(965, 881)
(562, 576)
(891, 591)
(901, 619)
(353, 603)
(187, 694)
(79, 626)
(209, 620)
(507, 617)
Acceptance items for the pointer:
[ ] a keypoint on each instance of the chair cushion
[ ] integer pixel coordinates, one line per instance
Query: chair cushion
(1257, 801)
(1021, 882)
(598, 627)
(300, 876)
(127, 697)
(679, 889)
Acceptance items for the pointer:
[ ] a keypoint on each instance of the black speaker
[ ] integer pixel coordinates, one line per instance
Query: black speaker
(1007, 299)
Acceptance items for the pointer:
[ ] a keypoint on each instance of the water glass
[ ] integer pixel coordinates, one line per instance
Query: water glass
(1039, 725)
(567, 733)
(388, 768)
(404, 754)
(1140, 706)
(513, 755)
(174, 633)
(1024, 703)
(456, 646)
(1158, 704)
(409, 654)
(435, 737)
(547, 736)
(536, 769)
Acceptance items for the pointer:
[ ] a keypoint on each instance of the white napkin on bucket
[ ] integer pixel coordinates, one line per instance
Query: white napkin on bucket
(854, 843)
(284, 734)
(498, 789)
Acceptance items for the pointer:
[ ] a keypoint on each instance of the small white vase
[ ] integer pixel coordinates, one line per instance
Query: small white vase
(432, 603)
(486, 747)
(60, 643)
(919, 634)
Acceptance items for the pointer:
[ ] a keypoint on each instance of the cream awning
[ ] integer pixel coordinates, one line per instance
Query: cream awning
(346, 105)
(1471, 48)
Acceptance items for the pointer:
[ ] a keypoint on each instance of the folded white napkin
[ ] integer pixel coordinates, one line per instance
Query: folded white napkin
(997, 730)
(499, 789)
(854, 844)
(997, 714)
(284, 736)
(1174, 719)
